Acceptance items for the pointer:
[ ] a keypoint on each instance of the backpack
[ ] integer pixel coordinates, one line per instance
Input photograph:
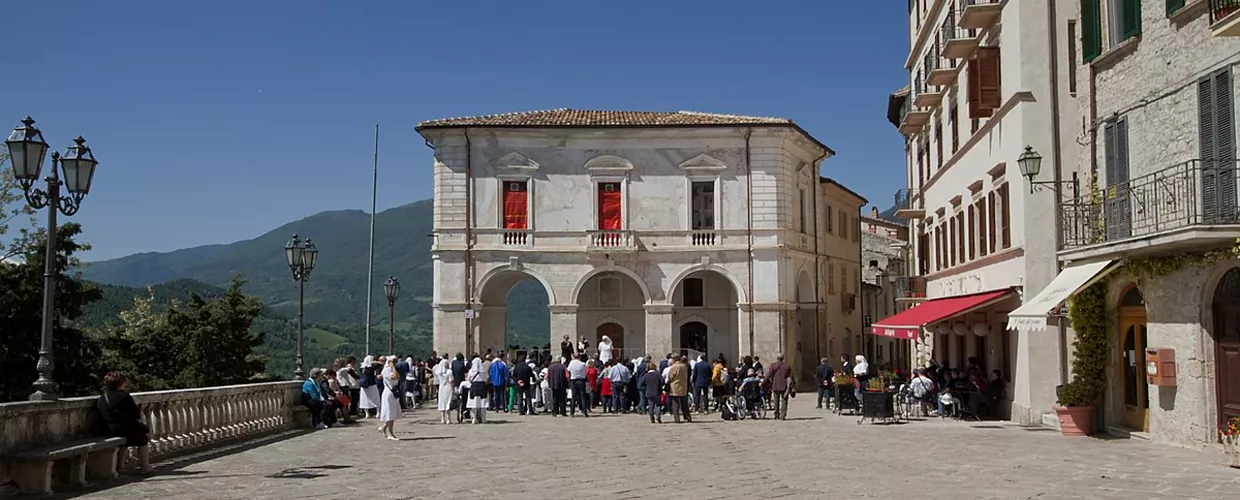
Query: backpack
(723, 376)
(368, 378)
(727, 413)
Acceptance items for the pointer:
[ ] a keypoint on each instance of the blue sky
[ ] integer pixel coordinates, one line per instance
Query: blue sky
(218, 121)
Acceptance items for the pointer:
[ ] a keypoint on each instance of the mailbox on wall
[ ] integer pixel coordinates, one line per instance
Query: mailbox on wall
(1160, 367)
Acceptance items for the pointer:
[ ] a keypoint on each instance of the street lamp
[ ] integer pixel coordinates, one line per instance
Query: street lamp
(26, 151)
(301, 258)
(1030, 163)
(392, 288)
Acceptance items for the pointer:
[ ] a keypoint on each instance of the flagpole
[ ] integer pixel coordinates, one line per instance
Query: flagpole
(370, 269)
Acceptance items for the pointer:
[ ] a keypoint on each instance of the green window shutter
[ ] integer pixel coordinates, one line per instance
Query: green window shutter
(1131, 12)
(1173, 6)
(1091, 30)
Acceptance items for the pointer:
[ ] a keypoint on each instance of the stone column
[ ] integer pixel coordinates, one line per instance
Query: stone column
(659, 330)
(767, 321)
(563, 322)
(448, 328)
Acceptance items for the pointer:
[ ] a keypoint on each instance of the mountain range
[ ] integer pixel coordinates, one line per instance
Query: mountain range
(335, 295)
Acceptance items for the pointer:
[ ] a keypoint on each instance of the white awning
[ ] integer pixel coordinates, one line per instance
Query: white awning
(1032, 315)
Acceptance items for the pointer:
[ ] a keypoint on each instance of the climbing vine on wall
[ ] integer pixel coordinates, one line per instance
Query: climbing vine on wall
(1143, 268)
(1088, 315)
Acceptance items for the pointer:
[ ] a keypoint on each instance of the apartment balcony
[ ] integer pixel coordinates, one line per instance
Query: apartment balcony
(704, 238)
(516, 238)
(913, 119)
(957, 42)
(909, 204)
(940, 71)
(924, 95)
(1225, 17)
(607, 240)
(910, 289)
(979, 14)
(1186, 207)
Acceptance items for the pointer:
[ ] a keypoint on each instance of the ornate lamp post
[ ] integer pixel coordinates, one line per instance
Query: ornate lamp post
(26, 151)
(392, 288)
(301, 258)
(1030, 163)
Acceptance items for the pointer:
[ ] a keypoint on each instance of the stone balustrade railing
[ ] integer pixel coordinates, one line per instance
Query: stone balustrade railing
(181, 421)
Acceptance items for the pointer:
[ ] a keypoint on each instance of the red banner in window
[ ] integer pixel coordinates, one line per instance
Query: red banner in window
(609, 203)
(515, 206)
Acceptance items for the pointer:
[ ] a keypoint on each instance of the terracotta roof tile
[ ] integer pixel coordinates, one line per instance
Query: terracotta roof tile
(565, 117)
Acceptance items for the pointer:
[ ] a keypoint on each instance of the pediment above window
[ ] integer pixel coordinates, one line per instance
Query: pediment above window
(704, 164)
(515, 162)
(609, 164)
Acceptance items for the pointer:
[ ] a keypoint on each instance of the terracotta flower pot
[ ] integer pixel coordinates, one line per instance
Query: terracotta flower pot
(1076, 420)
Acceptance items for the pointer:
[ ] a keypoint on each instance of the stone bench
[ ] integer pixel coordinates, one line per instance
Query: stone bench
(74, 463)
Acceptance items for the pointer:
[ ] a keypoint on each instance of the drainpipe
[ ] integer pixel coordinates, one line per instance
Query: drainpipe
(817, 185)
(749, 230)
(470, 345)
(1057, 151)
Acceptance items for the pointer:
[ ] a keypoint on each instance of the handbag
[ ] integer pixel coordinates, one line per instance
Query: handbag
(344, 400)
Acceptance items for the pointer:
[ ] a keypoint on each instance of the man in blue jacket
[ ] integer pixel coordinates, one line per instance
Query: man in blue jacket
(701, 384)
(499, 384)
(312, 397)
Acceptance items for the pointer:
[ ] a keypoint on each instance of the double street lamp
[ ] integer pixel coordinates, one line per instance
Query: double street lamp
(26, 151)
(301, 256)
(392, 288)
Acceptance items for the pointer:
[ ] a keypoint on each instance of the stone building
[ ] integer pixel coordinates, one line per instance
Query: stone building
(987, 79)
(666, 231)
(1156, 86)
(885, 290)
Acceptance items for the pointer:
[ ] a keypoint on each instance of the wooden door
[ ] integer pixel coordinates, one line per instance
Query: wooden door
(1226, 309)
(1131, 357)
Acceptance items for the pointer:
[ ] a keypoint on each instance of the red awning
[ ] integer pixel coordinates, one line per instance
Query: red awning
(904, 325)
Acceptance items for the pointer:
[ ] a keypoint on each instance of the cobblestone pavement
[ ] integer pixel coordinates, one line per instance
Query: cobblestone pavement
(812, 455)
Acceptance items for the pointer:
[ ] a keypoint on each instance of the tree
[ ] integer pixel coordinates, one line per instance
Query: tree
(13, 208)
(21, 309)
(143, 347)
(217, 343)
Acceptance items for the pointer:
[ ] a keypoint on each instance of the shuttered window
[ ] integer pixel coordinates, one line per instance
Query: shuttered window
(1218, 147)
(1173, 6)
(938, 143)
(1130, 18)
(1091, 29)
(972, 232)
(1005, 211)
(830, 278)
(1116, 212)
(982, 233)
(990, 224)
(984, 82)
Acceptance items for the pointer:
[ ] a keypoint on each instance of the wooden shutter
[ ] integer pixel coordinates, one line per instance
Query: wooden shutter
(990, 227)
(830, 278)
(1225, 145)
(1173, 6)
(982, 234)
(1130, 11)
(976, 110)
(1006, 211)
(1111, 165)
(990, 90)
(972, 224)
(1123, 195)
(610, 212)
(1091, 29)
(516, 205)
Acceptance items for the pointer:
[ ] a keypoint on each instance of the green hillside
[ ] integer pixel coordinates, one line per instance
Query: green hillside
(336, 292)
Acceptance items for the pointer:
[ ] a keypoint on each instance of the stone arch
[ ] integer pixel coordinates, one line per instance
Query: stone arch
(502, 270)
(805, 288)
(1222, 343)
(741, 296)
(694, 319)
(612, 319)
(581, 283)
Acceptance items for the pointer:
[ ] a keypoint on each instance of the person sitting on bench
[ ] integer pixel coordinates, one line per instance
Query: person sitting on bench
(120, 417)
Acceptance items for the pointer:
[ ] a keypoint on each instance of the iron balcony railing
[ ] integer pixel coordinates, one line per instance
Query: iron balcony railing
(969, 3)
(907, 199)
(910, 288)
(1220, 9)
(921, 87)
(951, 31)
(1193, 193)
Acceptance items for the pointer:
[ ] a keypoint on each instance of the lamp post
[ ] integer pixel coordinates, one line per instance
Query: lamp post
(392, 288)
(26, 151)
(301, 258)
(1030, 163)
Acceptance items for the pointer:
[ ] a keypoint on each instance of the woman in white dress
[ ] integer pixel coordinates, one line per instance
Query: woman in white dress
(443, 377)
(389, 408)
(604, 349)
(477, 391)
(369, 400)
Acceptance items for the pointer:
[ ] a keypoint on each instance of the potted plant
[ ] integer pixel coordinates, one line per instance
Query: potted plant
(875, 384)
(1229, 434)
(1080, 397)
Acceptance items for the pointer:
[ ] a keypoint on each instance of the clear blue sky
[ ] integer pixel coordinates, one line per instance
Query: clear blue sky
(216, 121)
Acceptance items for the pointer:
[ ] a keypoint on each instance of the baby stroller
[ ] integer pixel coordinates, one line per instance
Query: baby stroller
(459, 396)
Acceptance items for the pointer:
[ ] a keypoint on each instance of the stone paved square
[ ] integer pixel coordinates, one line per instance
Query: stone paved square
(813, 455)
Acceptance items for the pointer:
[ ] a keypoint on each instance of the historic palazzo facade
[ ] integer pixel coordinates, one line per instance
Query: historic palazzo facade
(675, 231)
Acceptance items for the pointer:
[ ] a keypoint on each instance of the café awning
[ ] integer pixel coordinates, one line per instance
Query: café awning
(904, 325)
(1032, 315)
